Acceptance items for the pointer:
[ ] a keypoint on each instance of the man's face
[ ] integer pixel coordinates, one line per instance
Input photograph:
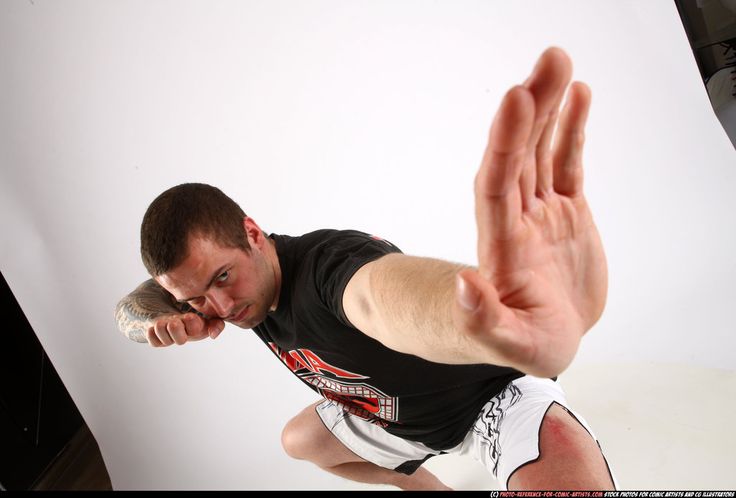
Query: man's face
(224, 282)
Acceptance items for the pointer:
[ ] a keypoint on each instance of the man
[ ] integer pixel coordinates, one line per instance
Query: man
(415, 357)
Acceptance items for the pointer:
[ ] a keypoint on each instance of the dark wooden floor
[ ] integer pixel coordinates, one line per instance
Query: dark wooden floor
(79, 467)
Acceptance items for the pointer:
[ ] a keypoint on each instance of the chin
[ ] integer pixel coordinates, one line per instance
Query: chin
(253, 321)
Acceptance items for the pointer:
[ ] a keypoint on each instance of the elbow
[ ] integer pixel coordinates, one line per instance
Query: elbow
(119, 316)
(135, 330)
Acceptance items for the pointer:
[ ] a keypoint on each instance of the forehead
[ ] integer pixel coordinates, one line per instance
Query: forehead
(204, 257)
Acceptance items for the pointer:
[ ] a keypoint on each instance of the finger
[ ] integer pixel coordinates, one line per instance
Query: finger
(568, 155)
(543, 156)
(480, 315)
(176, 331)
(194, 325)
(193, 328)
(547, 84)
(162, 334)
(497, 196)
(215, 327)
(152, 338)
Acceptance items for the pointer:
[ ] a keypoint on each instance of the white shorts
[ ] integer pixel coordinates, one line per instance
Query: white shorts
(504, 437)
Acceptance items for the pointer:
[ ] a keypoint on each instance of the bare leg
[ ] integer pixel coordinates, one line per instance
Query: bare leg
(306, 438)
(569, 458)
(421, 480)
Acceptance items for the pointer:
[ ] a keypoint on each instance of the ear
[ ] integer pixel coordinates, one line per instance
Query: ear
(253, 231)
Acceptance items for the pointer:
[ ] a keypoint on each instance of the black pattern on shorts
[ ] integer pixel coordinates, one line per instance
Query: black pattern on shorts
(488, 422)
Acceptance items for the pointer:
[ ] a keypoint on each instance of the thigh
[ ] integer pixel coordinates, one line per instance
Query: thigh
(530, 423)
(569, 457)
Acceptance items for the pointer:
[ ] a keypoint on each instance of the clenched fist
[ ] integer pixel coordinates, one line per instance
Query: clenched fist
(182, 328)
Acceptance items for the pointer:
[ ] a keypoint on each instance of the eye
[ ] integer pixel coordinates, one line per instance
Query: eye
(223, 276)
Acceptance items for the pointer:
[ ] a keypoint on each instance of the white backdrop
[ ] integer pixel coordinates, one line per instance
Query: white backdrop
(340, 114)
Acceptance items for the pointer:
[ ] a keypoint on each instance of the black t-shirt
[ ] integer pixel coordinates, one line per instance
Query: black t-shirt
(408, 396)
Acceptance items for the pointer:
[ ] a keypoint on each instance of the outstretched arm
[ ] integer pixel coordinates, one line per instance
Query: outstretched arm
(541, 280)
(150, 314)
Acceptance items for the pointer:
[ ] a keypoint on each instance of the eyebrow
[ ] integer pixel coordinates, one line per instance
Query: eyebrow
(212, 280)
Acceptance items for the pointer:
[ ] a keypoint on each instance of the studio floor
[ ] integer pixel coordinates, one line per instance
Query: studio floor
(662, 426)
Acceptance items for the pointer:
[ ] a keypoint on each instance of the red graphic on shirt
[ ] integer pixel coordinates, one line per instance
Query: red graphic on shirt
(368, 404)
(304, 358)
(341, 386)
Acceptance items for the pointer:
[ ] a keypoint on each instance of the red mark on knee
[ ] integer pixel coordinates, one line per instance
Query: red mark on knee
(558, 429)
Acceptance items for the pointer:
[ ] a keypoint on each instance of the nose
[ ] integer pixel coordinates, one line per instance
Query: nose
(221, 303)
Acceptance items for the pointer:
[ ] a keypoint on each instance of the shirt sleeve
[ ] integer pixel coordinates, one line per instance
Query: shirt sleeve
(338, 258)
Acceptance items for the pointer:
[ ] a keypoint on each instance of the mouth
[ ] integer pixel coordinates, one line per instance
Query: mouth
(240, 316)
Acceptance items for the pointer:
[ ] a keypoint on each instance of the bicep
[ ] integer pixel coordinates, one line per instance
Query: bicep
(405, 303)
(358, 304)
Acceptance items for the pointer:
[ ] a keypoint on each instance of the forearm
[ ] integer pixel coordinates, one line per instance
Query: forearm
(412, 299)
(135, 312)
(413, 309)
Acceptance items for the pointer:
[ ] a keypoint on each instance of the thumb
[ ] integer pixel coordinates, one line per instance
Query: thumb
(215, 327)
(477, 305)
(479, 314)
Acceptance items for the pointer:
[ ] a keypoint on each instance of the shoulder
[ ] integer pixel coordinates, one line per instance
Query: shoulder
(333, 242)
(349, 238)
(336, 264)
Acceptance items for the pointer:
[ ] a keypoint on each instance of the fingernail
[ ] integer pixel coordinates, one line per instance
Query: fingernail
(467, 297)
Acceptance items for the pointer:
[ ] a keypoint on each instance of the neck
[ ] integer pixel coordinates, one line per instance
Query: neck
(274, 257)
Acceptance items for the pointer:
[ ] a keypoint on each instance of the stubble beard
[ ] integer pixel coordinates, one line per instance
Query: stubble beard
(259, 310)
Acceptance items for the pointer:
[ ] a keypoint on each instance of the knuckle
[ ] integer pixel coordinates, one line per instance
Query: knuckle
(189, 326)
(152, 339)
(197, 325)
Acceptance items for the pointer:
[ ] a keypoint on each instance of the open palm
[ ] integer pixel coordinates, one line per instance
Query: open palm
(541, 281)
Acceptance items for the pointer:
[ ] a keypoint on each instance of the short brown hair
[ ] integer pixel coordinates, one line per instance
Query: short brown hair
(184, 210)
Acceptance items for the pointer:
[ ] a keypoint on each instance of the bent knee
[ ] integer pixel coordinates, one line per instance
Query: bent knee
(295, 442)
(304, 436)
(562, 434)
(569, 457)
